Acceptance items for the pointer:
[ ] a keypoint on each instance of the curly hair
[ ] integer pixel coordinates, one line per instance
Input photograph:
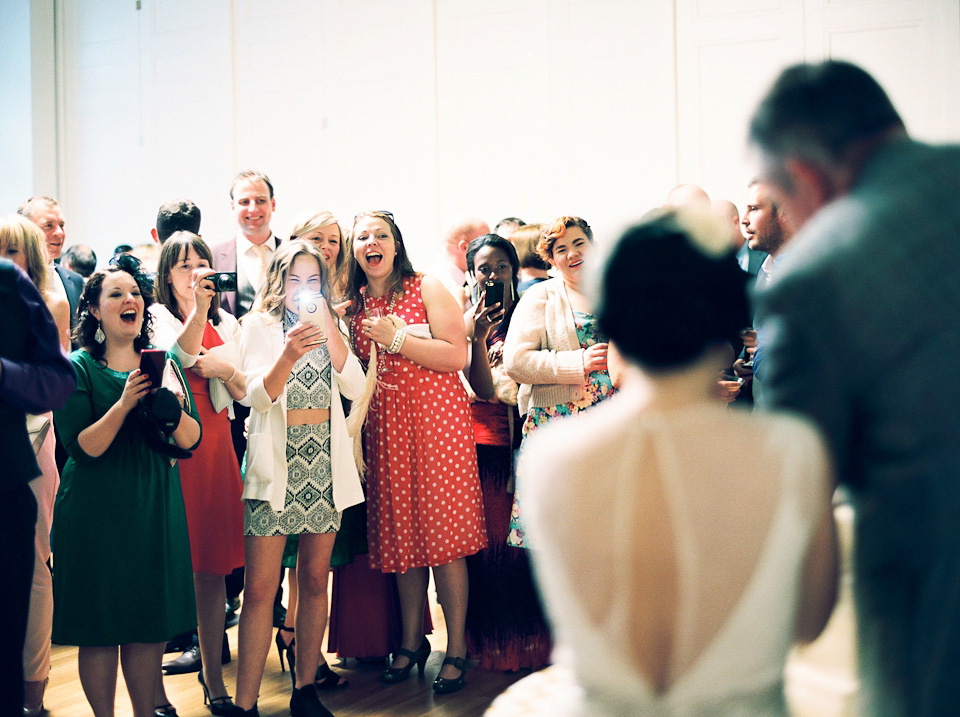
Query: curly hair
(558, 229)
(88, 324)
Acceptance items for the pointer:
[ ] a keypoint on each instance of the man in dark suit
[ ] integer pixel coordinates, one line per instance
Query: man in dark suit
(859, 328)
(35, 377)
(249, 252)
(46, 214)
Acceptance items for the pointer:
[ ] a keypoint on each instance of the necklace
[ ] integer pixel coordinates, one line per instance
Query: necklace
(382, 369)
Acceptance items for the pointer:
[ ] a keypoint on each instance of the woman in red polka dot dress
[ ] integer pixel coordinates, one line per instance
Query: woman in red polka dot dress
(425, 506)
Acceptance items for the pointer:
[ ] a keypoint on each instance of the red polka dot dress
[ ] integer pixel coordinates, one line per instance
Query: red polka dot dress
(423, 491)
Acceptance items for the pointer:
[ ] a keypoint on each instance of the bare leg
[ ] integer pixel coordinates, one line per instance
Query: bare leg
(313, 570)
(160, 698)
(452, 586)
(98, 677)
(211, 611)
(412, 586)
(263, 556)
(140, 662)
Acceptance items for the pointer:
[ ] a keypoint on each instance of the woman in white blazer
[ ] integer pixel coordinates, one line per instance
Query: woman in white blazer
(296, 373)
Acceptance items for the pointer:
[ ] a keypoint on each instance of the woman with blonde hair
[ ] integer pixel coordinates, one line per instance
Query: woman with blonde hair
(323, 231)
(300, 471)
(22, 242)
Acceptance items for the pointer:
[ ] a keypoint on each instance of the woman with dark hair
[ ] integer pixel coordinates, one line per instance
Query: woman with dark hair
(506, 628)
(715, 560)
(121, 533)
(189, 322)
(425, 501)
(299, 472)
(554, 348)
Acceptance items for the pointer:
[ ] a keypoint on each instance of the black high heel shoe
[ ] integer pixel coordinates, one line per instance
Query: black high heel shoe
(446, 685)
(218, 705)
(327, 679)
(392, 675)
(283, 647)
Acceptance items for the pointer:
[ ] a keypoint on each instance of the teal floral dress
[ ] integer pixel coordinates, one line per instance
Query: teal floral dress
(598, 387)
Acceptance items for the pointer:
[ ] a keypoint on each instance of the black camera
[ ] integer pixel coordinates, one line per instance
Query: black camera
(224, 281)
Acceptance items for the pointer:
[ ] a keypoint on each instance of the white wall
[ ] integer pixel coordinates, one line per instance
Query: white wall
(437, 108)
(16, 136)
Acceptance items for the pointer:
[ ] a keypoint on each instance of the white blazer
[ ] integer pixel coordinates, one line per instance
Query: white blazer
(261, 343)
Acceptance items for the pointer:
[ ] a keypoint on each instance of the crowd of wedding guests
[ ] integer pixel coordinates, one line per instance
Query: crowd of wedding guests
(313, 402)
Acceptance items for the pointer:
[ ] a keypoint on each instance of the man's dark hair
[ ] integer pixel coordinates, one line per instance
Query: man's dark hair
(509, 220)
(819, 112)
(252, 174)
(81, 259)
(177, 215)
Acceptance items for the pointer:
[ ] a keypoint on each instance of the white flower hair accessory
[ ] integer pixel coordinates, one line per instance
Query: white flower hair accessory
(705, 228)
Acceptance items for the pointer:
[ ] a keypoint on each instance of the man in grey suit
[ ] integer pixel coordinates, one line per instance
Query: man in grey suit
(860, 331)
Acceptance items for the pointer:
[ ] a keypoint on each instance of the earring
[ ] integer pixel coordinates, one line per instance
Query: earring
(99, 336)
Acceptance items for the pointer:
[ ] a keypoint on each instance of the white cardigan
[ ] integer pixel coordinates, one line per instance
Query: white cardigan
(167, 329)
(261, 343)
(542, 352)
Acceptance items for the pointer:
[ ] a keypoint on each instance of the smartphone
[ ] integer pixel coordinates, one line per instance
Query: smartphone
(151, 363)
(224, 281)
(493, 293)
(311, 312)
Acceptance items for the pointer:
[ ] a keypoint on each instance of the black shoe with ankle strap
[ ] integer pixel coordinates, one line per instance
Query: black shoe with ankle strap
(446, 685)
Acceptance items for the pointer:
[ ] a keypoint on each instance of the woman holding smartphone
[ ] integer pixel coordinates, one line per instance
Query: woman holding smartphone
(188, 321)
(506, 628)
(121, 530)
(554, 347)
(300, 472)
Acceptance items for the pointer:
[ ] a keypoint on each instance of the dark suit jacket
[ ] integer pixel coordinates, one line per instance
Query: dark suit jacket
(861, 333)
(225, 259)
(73, 283)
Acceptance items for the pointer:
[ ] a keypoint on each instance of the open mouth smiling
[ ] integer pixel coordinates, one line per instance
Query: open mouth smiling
(129, 316)
(373, 258)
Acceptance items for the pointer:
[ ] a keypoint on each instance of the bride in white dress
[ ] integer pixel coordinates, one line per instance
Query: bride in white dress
(681, 547)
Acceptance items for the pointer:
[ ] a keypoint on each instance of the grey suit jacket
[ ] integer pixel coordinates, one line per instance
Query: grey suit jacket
(861, 332)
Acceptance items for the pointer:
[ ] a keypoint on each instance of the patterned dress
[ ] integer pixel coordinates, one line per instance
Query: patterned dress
(598, 388)
(308, 506)
(423, 493)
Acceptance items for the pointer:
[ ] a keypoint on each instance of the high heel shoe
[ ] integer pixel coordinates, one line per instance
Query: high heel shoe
(283, 647)
(392, 675)
(218, 705)
(305, 702)
(446, 685)
(33, 697)
(327, 679)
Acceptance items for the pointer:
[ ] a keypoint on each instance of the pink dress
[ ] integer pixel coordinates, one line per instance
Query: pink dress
(423, 491)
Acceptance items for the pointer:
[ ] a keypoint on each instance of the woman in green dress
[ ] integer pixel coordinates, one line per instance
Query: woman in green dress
(123, 580)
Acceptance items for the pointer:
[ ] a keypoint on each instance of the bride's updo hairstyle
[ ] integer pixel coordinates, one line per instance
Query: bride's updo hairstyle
(671, 288)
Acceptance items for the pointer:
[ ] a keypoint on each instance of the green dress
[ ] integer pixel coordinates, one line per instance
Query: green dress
(122, 569)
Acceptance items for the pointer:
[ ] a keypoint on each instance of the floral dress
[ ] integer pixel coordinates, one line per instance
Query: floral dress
(598, 387)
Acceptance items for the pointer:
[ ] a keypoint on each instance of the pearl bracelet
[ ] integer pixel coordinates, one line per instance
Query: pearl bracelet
(397, 343)
(232, 376)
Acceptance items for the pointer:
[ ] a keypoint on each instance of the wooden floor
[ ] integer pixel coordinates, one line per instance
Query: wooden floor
(365, 696)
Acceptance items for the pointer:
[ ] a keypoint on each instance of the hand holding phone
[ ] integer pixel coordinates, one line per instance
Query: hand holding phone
(493, 293)
(151, 364)
(313, 311)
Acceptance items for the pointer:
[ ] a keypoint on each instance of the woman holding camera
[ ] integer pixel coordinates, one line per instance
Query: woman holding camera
(121, 531)
(188, 321)
(300, 471)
